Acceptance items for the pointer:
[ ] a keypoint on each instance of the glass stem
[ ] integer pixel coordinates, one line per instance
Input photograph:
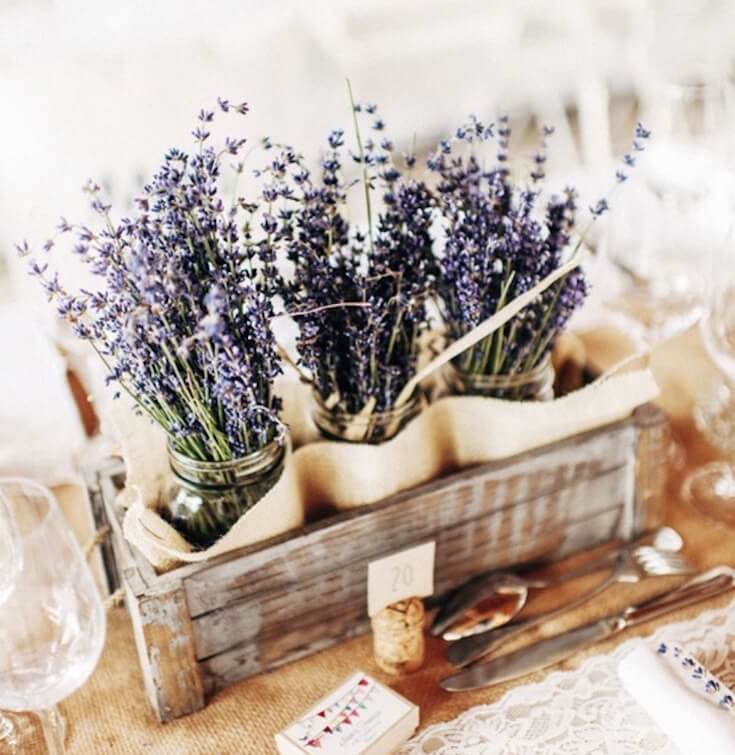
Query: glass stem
(54, 730)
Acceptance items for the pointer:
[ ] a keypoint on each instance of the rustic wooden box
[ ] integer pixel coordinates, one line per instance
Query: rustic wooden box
(201, 627)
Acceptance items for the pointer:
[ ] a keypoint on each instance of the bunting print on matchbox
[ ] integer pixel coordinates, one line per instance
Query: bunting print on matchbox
(360, 717)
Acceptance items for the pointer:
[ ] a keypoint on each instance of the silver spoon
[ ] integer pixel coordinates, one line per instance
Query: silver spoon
(492, 600)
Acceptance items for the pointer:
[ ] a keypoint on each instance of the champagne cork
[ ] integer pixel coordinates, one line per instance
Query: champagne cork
(398, 636)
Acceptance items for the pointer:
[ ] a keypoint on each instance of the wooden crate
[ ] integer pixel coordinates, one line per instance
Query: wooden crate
(201, 627)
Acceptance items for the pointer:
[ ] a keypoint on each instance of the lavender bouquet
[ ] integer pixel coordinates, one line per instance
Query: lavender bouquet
(359, 294)
(499, 241)
(182, 316)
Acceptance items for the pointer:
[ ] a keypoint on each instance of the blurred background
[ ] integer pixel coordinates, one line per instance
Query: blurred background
(101, 90)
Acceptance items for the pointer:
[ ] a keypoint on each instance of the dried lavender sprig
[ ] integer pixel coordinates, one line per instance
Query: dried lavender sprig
(360, 293)
(182, 317)
(495, 249)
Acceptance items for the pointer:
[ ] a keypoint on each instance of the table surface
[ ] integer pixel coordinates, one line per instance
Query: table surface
(111, 714)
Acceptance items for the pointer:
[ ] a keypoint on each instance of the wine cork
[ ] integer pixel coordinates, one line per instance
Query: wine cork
(398, 636)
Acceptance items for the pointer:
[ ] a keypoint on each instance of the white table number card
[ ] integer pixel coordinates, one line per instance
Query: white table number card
(402, 575)
(360, 717)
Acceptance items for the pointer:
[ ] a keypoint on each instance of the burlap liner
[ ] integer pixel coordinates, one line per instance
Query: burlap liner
(454, 432)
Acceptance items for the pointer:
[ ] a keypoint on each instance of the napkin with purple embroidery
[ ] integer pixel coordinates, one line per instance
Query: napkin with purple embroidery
(696, 677)
(690, 705)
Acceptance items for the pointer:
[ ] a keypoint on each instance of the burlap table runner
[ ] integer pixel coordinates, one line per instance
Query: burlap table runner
(110, 714)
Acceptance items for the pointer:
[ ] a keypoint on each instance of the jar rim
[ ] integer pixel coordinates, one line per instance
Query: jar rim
(376, 427)
(256, 461)
(396, 412)
(502, 380)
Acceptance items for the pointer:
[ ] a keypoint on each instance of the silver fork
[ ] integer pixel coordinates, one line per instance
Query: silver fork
(632, 565)
(460, 615)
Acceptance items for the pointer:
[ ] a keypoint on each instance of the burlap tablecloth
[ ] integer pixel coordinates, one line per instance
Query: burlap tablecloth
(110, 713)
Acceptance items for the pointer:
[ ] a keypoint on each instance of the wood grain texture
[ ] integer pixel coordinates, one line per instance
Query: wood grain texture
(165, 644)
(463, 498)
(203, 626)
(651, 466)
(309, 634)
(462, 550)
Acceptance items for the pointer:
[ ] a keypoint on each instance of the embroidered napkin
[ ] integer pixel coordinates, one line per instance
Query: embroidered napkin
(680, 702)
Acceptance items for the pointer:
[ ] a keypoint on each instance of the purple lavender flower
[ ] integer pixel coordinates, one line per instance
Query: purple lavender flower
(496, 247)
(641, 133)
(359, 294)
(600, 208)
(182, 317)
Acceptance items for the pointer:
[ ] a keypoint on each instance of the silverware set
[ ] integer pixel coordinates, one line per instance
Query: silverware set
(480, 617)
(491, 600)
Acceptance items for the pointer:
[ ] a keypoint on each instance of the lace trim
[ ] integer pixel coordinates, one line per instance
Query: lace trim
(580, 712)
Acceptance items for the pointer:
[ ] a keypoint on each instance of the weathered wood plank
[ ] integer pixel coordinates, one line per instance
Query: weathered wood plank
(464, 497)
(344, 592)
(165, 644)
(265, 605)
(460, 548)
(137, 574)
(95, 480)
(249, 659)
(308, 635)
(651, 466)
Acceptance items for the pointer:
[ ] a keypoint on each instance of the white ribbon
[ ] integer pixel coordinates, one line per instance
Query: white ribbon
(490, 325)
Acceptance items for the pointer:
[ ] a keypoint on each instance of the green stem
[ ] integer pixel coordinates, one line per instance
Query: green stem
(201, 411)
(365, 174)
(532, 352)
(509, 339)
(497, 350)
(397, 323)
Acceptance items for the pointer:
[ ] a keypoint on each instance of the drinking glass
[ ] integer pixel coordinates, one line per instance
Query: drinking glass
(10, 561)
(674, 213)
(10, 551)
(52, 621)
(711, 488)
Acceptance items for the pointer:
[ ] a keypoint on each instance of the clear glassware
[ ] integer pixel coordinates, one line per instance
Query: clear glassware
(52, 622)
(674, 214)
(11, 556)
(375, 427)
(711, 488)
(535, 385)
(211, 496)
(10, 563)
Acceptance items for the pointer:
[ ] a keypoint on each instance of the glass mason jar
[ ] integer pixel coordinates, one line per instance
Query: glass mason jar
(210, 496)
(373, 428)
(535, 385)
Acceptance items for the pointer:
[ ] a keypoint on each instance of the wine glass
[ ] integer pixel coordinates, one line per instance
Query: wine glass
(675, 213)
(11, 556)
(52, 621)
(711, 488)
(10, 563)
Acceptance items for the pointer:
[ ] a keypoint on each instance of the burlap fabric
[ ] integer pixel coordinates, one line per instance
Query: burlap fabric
(453, 433)
(110, 714)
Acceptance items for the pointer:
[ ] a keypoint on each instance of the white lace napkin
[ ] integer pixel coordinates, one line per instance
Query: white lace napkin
(682, 698)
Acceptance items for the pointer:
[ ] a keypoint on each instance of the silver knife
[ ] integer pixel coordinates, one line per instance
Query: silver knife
(549, 651)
